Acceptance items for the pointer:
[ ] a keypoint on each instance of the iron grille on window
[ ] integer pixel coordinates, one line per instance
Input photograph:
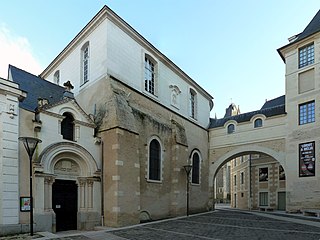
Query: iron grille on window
(306, 56)
(154, 160)
(306, 113)
(149, 75)
(195, 169)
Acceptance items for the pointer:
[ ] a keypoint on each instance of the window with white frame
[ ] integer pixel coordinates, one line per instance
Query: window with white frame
(56, 77)
(149, 75)
(306, 55)
(193, 103)
(154, 168)
(85, 63)
(263, 199)
(195, 177)
(306, 113)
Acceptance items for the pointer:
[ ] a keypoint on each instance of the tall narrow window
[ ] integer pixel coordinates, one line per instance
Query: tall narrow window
(85, 63)
(195, 168)
(149, 75)
(67, 127)
(306, 113)
(154, 160)
(56, 77)
(193, 104)
(306, 55)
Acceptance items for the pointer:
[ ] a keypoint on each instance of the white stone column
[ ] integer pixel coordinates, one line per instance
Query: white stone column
(48, 181)
(82, 184)
(90, 193)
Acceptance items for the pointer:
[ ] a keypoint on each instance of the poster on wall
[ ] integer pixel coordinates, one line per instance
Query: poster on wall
(24, 204)
(307, 159)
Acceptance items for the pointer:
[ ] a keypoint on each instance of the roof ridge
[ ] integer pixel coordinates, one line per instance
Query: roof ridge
(11, 66)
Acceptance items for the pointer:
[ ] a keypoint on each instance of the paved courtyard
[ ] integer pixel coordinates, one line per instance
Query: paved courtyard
(220, 224)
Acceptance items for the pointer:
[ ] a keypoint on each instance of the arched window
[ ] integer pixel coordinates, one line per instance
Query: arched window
(258, 123)
(67, 127)
(56, 77)
(231, 128)
(195, 178)
(149, 75)
(193, 104)
(85, 63)
(154, 160)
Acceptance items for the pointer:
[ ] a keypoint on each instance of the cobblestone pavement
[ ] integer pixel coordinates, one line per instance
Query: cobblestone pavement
(223, 224)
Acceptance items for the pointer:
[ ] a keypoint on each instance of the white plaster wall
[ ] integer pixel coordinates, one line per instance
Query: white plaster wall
(126, 62)
(70, 66)
(115, 52)
(9, 192)
(50, 133)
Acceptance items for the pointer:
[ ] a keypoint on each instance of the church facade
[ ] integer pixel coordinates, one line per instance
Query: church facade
(119, 121)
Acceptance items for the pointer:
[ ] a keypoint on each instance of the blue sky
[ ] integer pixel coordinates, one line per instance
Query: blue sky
(228, 47)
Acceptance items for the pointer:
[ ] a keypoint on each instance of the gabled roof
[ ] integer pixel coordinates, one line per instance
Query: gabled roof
(35, 87)
(312, 28)
(271, 108)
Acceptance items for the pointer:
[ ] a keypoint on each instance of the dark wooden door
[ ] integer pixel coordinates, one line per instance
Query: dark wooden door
(64, 204)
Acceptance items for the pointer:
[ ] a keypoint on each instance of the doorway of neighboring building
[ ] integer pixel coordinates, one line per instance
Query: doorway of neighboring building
(282, 201)
(64, 204)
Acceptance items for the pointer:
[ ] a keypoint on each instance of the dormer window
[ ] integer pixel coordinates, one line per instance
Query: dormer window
(306, 55)
(231, 128)
(258, 123)
(67, 127)
(56, 77)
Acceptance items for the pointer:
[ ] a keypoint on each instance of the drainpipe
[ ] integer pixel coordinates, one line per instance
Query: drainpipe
(250, 185)
(102, 185)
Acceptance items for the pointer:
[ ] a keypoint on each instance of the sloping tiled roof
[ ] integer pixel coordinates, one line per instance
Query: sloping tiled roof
(35, 87)
(270, 108)
(312, 28)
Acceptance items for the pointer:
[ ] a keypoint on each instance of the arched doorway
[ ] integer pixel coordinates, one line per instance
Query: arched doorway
(70, 178)
(250, 177)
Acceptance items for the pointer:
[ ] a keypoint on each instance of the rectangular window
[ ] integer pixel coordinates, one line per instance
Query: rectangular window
(235, 180)
(193, 104)
(263, 199)
(306, 113)
(86, 64)
(149, 75)
(306, 55)
(242, 177)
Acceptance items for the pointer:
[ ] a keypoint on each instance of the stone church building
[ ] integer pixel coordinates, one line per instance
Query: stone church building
(119, 121)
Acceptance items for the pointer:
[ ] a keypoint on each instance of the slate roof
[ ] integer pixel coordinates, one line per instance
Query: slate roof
(35, 87)
(270, 108)
(312, 28)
